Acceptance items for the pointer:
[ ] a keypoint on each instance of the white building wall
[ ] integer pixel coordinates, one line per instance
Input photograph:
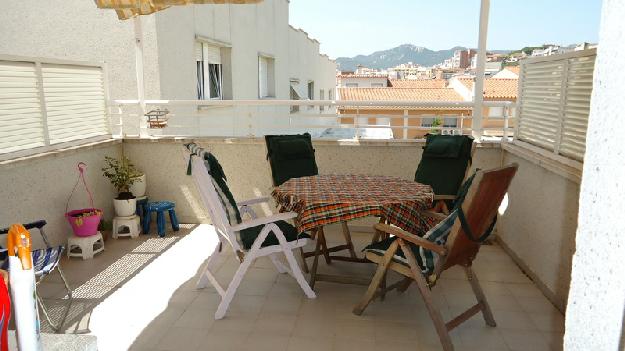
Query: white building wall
(77, 30)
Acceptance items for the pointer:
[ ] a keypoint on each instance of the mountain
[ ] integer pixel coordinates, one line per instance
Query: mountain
(402, 54)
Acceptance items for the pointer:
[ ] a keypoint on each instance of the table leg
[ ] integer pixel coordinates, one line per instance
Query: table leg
(348, 239)
(313, 270)
(321, 237)
(304, 264)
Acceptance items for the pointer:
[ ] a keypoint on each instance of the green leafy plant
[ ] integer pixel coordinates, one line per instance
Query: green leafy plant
(436, 123)
(122, 175)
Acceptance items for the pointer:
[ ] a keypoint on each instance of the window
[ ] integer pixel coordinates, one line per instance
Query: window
(554, 102)
(495, 112)
(322, 96)
(266, 77)
(450, 122)
(48, 105)
(294, 96)
(208, 71)
(311, 93)
(351, 85)
(377, 85)
(427, 122)
(331, 94)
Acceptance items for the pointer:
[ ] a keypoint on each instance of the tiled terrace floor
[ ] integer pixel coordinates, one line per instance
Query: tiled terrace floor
(140, 294)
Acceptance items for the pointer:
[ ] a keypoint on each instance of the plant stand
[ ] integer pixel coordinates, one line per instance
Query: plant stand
(126, 226)
(85, 246)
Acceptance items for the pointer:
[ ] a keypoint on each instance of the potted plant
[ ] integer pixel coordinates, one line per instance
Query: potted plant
(122, 175)
(138, 186)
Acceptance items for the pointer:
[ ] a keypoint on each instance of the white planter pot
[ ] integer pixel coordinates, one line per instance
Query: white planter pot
(125, 208)
(138, 187)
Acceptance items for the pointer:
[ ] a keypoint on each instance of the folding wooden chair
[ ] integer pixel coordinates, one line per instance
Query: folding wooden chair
(444, 165)
(250, 239)
(451, 242)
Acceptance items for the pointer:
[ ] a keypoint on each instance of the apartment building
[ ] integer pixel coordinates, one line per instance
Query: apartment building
(199, 52)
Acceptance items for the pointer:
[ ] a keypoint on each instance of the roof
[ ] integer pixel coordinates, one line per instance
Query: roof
(418, 83)
(352, 75)
(514, 69)
(399, 94)
(496, 88)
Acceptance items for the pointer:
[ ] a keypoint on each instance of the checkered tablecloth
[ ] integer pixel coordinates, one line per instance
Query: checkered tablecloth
(326, 199)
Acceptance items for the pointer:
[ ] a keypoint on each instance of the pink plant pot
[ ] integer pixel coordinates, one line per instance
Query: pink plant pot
(84, 225)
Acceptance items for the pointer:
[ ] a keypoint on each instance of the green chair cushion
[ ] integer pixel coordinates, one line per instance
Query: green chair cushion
(290, 156)
(247, 236)
(444, 162)
(214, 169)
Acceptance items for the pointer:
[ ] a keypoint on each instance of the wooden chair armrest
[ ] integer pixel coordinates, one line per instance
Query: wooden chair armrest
(264, 220)
(435, 215)
(441, 250)
(444, 197)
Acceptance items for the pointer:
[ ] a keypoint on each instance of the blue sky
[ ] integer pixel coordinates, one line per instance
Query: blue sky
(351, 27)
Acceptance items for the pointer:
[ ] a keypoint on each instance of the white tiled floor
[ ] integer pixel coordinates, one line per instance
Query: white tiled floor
(140, 294)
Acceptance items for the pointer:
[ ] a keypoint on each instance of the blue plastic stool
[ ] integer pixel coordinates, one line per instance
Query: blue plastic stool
(160, 207)
(141, 204)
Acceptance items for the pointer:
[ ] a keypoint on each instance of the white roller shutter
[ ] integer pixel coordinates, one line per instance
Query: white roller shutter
(75, 102)
(21, 123)
(554, 102)
(212, 54)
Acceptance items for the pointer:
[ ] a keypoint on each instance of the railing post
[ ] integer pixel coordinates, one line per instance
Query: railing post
(405, 129)
(478, 94)
(504, 139)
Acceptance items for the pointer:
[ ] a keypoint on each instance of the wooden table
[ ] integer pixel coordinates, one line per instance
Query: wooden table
(326, 199)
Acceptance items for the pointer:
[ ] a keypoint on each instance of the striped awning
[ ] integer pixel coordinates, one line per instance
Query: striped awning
(130, 8)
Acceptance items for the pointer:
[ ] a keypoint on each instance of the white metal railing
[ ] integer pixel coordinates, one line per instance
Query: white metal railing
(337, 120)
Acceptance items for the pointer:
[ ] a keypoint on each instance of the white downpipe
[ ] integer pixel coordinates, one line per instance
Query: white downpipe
(143, 125)
(478, 96)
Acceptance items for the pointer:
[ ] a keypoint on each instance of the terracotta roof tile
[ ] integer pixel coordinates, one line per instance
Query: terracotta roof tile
(514, 69)
(418, 83)
(398, 94)
(496, 88)
(352, 75)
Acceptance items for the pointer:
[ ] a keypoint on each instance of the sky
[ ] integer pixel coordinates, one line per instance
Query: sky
(352, 27)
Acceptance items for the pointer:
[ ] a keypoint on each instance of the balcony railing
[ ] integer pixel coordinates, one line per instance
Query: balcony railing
(322, 118)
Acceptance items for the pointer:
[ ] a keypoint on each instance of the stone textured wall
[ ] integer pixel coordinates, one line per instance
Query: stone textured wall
(597, 299)
(38, 188)
(539, 225)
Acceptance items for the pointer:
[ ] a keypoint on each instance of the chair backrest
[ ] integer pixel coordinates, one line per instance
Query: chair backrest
(444, 163)
(214, 200)
(290, 156)
(480, 209)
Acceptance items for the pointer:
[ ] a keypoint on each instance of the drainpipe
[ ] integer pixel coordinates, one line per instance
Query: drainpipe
(478, 95)
(143, 132)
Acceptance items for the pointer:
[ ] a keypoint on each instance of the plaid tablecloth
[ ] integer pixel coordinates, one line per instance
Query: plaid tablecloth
(326, 199)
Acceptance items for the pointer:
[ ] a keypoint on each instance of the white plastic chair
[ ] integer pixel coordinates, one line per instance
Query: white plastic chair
(228, 235)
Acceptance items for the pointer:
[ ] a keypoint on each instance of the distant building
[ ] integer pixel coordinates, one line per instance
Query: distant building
(362, 80)
(510, 72)
(424, 117)
(462, 58)
(418, 83)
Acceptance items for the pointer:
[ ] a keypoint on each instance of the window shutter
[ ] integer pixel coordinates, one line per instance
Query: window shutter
(212, 54)
(262, 76)
(554, 102)
(198, 51)
(21, 122)
(540, 103)
(577, 107)
(75, 102)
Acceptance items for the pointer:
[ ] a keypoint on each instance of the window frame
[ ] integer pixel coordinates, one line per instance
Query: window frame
(270, 78)
(207, 82)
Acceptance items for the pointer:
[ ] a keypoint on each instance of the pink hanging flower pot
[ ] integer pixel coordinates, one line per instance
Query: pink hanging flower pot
(84, 222)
